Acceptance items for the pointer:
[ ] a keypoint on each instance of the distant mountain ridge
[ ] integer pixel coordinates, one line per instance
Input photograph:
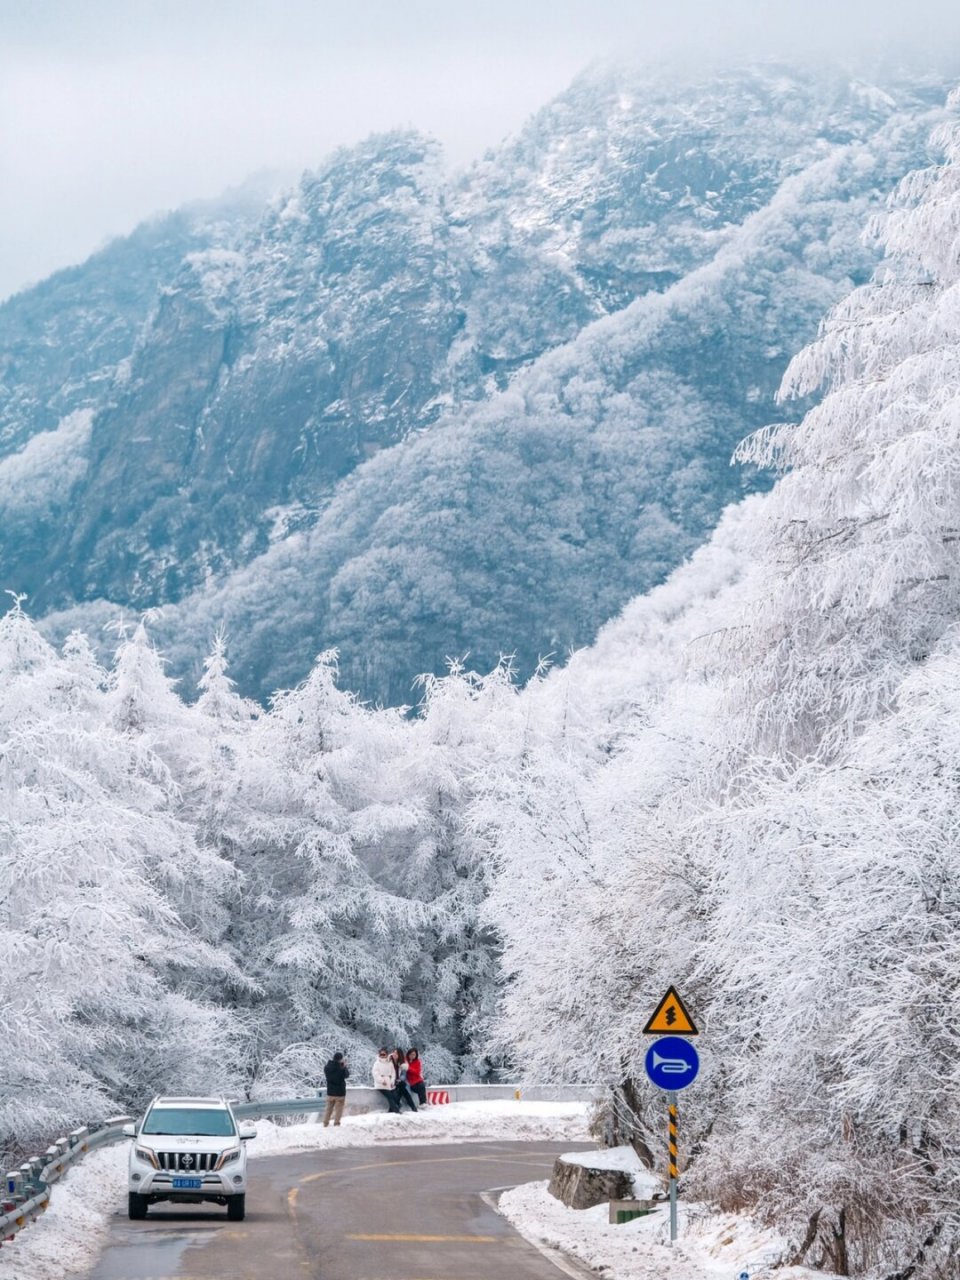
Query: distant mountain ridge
(414, 415)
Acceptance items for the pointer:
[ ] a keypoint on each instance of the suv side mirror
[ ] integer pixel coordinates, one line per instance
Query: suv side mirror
(247, 1131)
(129, 1130)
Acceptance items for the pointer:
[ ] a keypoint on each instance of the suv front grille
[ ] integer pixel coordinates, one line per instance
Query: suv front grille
(188, 1161)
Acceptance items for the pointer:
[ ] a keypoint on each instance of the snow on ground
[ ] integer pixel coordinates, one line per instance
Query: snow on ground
(709, 1246)
(67, 1239)
(452, 1122)
(65, 1242)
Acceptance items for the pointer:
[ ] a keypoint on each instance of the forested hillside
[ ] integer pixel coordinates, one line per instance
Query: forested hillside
(747, 788)
(251, 888)
(415, 414)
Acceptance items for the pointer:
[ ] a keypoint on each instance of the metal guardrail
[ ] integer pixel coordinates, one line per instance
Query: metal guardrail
(277, 1107)
(26, 1191)
(361, 1098)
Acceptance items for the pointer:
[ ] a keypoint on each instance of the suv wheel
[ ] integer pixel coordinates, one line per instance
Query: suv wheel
(236, 1208)
(136, 1206)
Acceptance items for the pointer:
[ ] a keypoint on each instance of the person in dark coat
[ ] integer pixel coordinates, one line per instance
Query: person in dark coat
(336, 1072)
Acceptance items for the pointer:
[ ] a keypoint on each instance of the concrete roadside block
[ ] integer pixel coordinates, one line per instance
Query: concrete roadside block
(626, 1210)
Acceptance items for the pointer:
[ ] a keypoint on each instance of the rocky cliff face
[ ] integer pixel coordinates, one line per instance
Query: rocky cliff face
(414, 414)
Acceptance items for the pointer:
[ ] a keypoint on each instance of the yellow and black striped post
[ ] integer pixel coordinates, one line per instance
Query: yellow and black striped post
(672, 1148)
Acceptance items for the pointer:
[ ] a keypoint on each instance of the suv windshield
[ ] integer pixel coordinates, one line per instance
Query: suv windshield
(194, 1121)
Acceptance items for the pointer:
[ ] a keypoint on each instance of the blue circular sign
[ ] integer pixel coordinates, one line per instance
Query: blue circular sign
(672, 1063)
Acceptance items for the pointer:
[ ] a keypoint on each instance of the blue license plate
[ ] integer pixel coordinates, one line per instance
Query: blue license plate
(187, 1184)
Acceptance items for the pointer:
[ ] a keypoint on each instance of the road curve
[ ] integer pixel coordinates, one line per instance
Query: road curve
(356, 1213)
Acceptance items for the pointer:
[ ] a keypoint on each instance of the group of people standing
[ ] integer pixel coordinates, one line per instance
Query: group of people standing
(397, 1075)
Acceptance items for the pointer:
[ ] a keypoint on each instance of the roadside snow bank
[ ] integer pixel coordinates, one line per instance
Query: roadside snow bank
(66, 1240)
(506, 1120)
(709, 1246)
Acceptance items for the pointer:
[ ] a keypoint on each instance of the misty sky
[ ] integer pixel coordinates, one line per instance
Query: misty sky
(111, 110)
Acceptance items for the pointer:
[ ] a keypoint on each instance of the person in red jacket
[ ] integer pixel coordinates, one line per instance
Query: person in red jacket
(415, 1076)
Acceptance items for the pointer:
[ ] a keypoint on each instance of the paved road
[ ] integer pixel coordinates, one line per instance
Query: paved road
(361, 1213)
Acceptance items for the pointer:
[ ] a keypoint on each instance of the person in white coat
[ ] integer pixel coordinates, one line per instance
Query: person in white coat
(385, 1080)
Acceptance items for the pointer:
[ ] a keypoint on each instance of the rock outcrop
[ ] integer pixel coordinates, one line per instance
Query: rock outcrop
(581, 1187)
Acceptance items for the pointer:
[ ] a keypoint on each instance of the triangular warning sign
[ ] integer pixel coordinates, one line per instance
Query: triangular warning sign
(671, 1018)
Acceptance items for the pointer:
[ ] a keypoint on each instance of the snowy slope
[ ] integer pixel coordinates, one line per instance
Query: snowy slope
(563, 345)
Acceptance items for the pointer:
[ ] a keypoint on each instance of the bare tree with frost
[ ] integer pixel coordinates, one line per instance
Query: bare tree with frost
(793, 867)
(834, 937)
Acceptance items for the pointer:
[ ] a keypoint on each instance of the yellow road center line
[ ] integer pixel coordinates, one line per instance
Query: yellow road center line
(427, 1239)
(292, 1200)
(386, 1164)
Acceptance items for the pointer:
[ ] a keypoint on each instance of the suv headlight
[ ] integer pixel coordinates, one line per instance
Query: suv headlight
(146, 1155)
(228, 1157)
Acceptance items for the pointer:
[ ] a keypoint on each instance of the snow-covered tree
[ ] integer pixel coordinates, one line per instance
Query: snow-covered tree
(327, 941)
(164, 732)
(860, 535)
(770, 823)
(468, 728)
(97, 1004)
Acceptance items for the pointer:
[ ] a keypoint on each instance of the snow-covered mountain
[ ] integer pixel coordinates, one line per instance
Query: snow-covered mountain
(413, 414)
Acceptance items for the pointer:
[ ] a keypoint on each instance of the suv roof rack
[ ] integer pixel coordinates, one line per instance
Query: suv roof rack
(191, 1102)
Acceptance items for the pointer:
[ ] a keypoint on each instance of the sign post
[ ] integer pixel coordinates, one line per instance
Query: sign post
(672, 1112)
(672, 1064)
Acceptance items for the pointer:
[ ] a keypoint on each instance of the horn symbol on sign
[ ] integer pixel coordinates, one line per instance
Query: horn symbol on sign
(671, 1066)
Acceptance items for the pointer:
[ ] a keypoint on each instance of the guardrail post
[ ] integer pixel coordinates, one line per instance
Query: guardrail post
(14, 1186)
(78, 1137)
(26, 1177)
(30, 1177)
(6, 1206)
(51, 1169)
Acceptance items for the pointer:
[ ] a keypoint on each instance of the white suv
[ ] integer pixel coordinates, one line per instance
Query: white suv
(189, 1150)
